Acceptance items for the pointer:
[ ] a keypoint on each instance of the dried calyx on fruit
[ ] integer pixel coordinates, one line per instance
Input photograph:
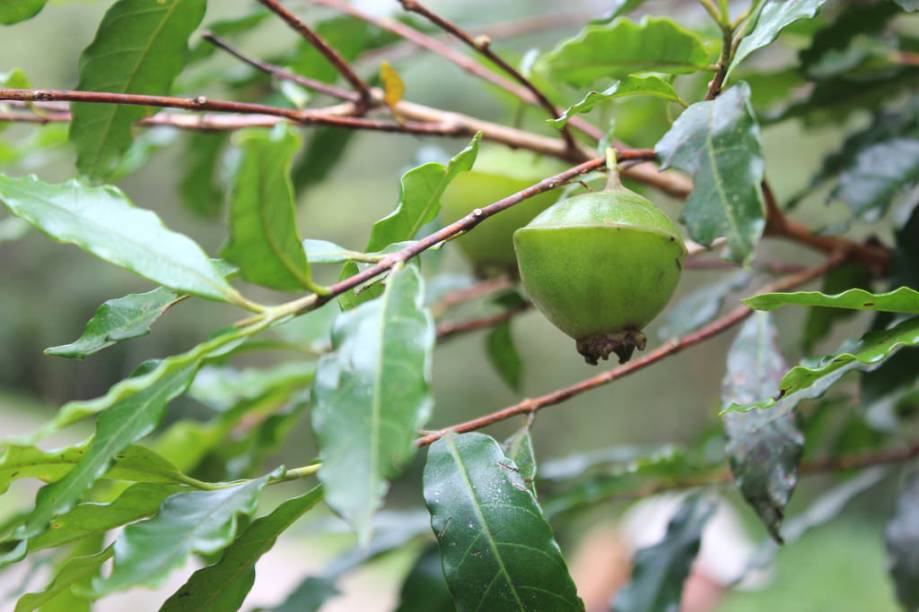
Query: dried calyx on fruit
(498, 173)
(600, 266)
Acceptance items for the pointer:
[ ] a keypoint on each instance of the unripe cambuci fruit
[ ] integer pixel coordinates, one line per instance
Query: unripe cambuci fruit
(601, 266)
(498, 172)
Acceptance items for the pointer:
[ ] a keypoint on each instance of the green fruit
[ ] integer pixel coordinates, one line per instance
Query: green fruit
(601, 266)
(498, 172)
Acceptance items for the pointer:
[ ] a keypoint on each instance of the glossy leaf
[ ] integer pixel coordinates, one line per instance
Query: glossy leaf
(902, 299)
(635, 85)
(519, 449)
(102, 221)
(623, 47)
(811, 379)
(425, 589)
(372, 395)
(139, 48)
(118, 319)
(659, 571)
(135, 463)
(198, 521)
(498, 551)
(91, 518)
(902, 537)
(874, 348)
(75, 571)
(419, 198)
(699, 307)
(820, 320)
(879, 173)
(503, 355)
(263, 235)
(224, 585)
(718, 143)
(200, 187)
(223, 387)
(117, 428)
(323, 251)
(764, 449)
(773, 17)
(14, 11)
(77, 410)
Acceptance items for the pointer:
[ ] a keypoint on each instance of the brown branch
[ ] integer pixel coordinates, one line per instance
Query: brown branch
(335, 58)
(445, 331)
(468, 294)
(836, 463)
(337, 116)
(509, 29)
(280, 72)
(724, 62)
(777, 224)
(444, 50)
(482, 45)
(532, 405)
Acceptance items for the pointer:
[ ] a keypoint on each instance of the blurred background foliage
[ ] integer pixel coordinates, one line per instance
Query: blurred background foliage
(48, 291)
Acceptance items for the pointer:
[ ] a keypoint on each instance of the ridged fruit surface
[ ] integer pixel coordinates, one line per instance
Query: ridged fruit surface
(601, 266)
(498, 172)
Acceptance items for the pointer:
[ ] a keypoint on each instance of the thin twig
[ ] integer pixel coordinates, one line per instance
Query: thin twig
(334, 57)
(444, 50)
(529, 406)
(482, 45)
(445, 331)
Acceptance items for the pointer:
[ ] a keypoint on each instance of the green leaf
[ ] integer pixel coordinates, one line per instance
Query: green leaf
(699, 307)
(902, 537)
(310, 595)
(635, 85)
(813, 377)
(323, 251)
(14, 11)
(199, 521)
(503, 355)
(372, 395)
(419, 198)
(139, 48)
(263, 234)
(624, 47)
(425, 589)
(902, 299)
(877, 174)
(135, 463)
(200, 189)
(659, 571)
(519, 449)
(821, 320)
(102, 221)
(322, 154)
(75, 571)
(419, 203)
(74, 411)
(718, 143)
(222, 387)
(117, 428)
(873, 349)
(119, 319)
(764, 449)
(773, 17)
(90, 518)
(498, 551)
(224, 585)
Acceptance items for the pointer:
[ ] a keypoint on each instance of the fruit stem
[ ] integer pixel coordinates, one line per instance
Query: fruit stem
(612, 166)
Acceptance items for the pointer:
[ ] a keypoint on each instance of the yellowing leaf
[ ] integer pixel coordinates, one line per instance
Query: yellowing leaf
(393, 87)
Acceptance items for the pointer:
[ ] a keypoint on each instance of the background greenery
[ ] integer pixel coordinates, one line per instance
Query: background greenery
(47, 293)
